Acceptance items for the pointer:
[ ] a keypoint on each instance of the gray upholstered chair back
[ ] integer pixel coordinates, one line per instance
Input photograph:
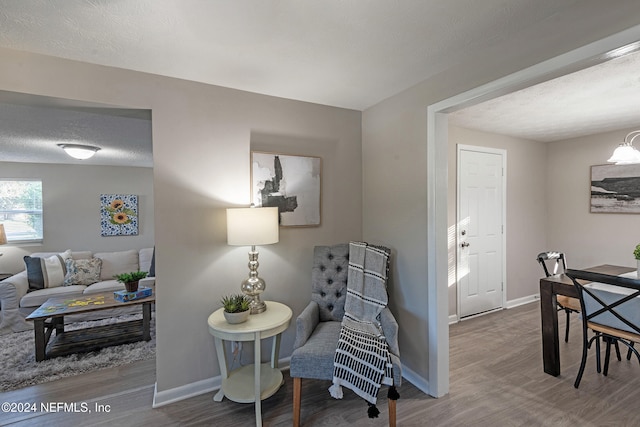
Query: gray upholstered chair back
(329, 280)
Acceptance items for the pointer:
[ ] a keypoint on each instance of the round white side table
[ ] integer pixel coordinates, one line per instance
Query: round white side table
(244, 384)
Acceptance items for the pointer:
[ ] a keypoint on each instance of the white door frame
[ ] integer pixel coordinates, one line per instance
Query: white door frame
(437, 269)
(503, 242)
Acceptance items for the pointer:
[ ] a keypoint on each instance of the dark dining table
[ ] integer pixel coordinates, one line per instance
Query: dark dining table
(551, 286)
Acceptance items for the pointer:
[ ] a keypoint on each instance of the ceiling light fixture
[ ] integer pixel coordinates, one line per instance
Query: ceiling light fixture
(626, 153)
(80, 152)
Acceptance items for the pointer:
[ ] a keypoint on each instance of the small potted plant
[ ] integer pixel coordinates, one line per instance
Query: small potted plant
(131, 279)
(636, 254)
(236, 308)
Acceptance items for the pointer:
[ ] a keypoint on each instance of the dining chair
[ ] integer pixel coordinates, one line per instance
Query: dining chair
(610, 307)
(567, 304)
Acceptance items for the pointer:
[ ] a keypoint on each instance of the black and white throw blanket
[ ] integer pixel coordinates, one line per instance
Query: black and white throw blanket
(362, 362)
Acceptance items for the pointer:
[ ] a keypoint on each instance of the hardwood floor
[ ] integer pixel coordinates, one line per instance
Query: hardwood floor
(496, 380)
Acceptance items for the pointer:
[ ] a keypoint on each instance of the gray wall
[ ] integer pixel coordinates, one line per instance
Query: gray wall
(395, 198)
(587, 238)
(202, 137)
(395, 186)
(526, 222)
(71, 206)
(548, 192)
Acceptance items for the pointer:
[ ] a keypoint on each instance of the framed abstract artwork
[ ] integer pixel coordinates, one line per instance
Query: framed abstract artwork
(615, 188)
(290, 183)
(118, 214)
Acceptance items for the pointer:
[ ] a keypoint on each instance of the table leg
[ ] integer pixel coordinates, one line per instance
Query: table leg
(275, 351)
(58, 323)
(146, 321)
(222, 361)
(41, 343)
(257, 363)
(550, 342)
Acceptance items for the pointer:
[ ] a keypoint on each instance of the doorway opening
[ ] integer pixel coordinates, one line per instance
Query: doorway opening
(437, 158)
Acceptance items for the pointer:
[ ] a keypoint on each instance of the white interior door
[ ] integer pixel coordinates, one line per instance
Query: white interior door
(480, 229)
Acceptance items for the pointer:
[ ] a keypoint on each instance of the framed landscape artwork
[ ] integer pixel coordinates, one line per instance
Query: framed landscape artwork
(290, 183)
(119, 214)
(615, 188)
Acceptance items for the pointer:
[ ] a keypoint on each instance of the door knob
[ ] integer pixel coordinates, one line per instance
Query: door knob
(464, 244)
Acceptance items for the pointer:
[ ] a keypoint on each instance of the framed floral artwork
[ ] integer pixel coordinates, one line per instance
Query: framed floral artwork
(118, 214)
(290, 183)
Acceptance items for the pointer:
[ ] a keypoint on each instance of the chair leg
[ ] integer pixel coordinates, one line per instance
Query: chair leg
(617, 350)
(566, 330)
(582, 362)
(629, 351)
(297, 391)
(392, 413)
(598, 364)
(607, 356)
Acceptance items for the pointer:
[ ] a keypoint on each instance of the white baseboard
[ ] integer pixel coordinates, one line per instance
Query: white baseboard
(522, 301)
(508, 304)
(165, 397)
(415, 379)
(176, 394)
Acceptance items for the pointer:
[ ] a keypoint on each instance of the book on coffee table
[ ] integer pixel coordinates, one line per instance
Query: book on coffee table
(125, 296)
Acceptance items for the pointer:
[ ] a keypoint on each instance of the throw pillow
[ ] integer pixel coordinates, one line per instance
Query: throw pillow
(46, 272)
(114, 263)
(152, 269)
(82, 271)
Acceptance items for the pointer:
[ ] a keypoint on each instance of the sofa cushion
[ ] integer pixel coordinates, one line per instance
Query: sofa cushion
(81, 254)
(104, 286)
(114, 263)
(46, 272)
(147, 260)
(82, 271)
(74, 254)
(37, 298)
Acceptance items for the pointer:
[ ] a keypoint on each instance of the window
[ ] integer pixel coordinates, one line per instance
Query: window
(21, 210)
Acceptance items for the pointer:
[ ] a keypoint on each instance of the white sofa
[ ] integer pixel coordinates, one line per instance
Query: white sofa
(17, 302)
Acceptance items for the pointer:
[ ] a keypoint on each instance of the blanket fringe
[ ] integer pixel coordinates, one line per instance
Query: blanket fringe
(373, 411)
(335, 391)
(393, 393)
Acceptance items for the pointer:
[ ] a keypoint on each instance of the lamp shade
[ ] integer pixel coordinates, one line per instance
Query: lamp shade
(252, 226)
(3, 235)
(625, 154)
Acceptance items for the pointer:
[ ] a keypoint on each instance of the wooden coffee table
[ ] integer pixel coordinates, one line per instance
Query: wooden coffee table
(50, 316)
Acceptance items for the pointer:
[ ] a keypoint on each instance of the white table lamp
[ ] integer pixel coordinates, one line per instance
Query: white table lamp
(252, 227)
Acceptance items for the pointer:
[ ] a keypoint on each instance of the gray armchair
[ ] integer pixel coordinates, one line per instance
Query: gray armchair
(318, 326)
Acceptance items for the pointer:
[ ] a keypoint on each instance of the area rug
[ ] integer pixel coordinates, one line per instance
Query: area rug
(20, 369)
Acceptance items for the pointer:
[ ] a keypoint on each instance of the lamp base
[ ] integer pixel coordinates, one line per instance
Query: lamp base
(252, 288)
(258, 306)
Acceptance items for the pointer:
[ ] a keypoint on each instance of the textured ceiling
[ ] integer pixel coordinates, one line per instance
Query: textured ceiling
(32, 126)
(349, 54)
(602, 98)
